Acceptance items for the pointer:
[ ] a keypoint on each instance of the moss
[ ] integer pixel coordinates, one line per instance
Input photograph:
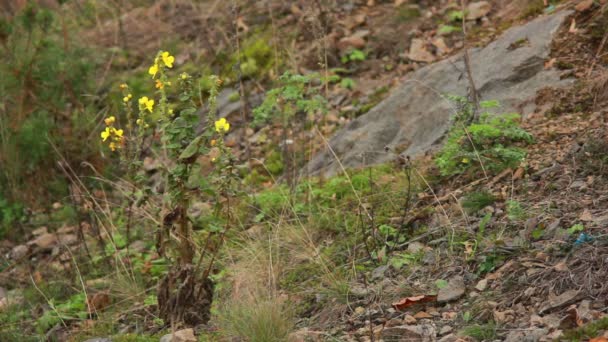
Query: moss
(257, 57)
(584, 333)
(274, 163)
(408, 13)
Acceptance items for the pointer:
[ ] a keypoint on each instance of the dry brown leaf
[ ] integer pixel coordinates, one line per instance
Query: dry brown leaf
(586, 215)
(583, 5)
(573, 28)
(599, 339)
(409, 301)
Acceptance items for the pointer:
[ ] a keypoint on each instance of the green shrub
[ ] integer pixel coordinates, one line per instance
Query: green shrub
(492, 141)
(44, 74)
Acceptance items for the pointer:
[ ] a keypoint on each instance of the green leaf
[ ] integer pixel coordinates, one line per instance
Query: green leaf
(441, 283)
(191, 149)
(575, 229)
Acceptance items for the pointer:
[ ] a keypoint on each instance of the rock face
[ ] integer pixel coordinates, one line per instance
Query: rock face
(415, 117)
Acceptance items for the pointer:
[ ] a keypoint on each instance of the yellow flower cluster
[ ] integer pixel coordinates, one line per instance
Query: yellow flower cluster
(115, 135)
(146, 103)
(222, 126)
(165, 58)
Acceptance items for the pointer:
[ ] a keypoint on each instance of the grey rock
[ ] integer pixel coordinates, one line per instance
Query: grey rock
(477, 10)
(482, 285)
(446, 329)
(454, 290)
(414, 118)
(422, 332)
(184, 335)
(18, 252)
(526, 336)
(379, 272)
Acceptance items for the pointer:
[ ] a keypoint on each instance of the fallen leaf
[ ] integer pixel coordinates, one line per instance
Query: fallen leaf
(409, 301)
(586, 215)
(98, 302)
(573, 28)
(550, 63)
(419, 53)
(583, 5)
(599, 339)
(422, 314)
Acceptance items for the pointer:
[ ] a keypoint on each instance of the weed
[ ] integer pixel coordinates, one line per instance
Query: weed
(485, 332)
(260, 320)
(353, 55)
(490, 143)
(478, 200)
(515, 211)
(587, 331)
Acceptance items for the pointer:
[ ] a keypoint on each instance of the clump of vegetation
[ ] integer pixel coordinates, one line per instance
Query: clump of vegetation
(485, 332)
(264, 320)
(490, 144)
(43, 74)
(478, 200)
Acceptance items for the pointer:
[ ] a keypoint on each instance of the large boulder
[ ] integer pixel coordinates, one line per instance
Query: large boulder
(415, 117)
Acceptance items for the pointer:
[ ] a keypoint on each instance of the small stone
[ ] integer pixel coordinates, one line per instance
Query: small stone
(57, 205)
(40, 231)
(423, 332)
(184, 335)
(68, 239)
(477, 10)
(482, 285)
(409, 319)
(446, 329)
(351, 42)
(419, 53)
(379, 272)
(583, 5)
(18, 252)
(454, 290)
(422, 315)
(415, 247)
(45, 241)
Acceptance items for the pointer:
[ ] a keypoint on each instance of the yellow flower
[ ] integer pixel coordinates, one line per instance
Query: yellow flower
(213, 142)
(139, 122)
(125, 99)
(118, 132)
(114, 146)
(105, 134)
(167, 59)
(109, 121)
(184, 76)
(159, 84)
(465, 160)
(222, 125)
(170, 111)
(145, 103)
(153, 70)
(123, 86)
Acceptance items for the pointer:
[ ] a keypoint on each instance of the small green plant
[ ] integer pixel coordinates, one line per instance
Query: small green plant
(171, 114)
(515, 212)
(354, 55)
(485, 332)
(10, 214)
(577, 228)
(478, 200)
(490, 143)
(295, 93)
(73, 308)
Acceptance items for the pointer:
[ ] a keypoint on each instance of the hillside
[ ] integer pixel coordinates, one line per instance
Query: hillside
(360, 170)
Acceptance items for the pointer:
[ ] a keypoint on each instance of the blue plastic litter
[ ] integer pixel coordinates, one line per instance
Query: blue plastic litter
(583, 238)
